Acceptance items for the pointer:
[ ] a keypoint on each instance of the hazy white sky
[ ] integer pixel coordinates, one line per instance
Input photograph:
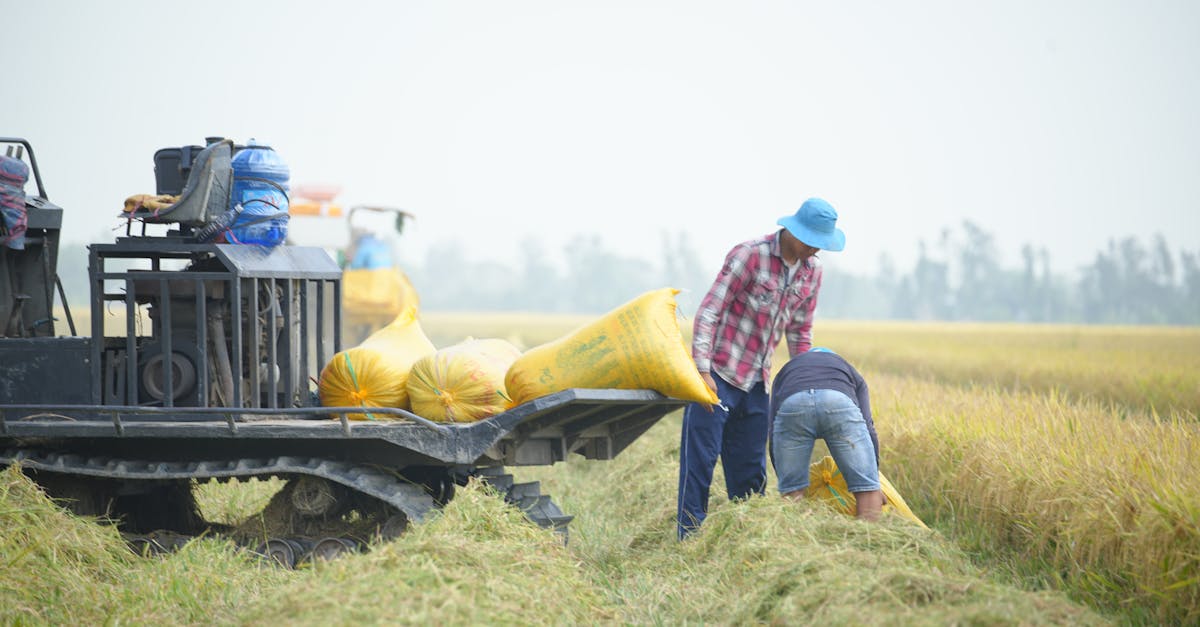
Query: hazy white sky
(1061, 124)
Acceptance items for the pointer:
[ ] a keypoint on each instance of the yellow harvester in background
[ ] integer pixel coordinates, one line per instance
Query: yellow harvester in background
(374, 288)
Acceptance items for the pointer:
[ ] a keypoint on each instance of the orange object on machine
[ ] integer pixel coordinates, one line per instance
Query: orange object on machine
(314, 200)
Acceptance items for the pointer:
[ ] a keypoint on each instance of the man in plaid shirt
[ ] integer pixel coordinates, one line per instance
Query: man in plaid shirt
(766, 289)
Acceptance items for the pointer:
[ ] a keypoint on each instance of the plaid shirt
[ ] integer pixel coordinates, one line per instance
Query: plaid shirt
(749, 306)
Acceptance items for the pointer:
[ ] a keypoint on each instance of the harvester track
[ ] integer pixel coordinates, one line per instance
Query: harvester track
(411, 499)
(405, 496)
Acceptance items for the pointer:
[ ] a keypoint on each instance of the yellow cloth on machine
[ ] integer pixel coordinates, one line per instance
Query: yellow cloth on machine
(150, 202)
(462, 383)
(375, 373)
(826, 482)
(636, 346)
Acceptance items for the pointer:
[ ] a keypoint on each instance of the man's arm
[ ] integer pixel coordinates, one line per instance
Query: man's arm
(799, 329)
(728, 284)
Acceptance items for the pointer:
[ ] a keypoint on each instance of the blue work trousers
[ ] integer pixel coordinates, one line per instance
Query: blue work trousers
(738, 434)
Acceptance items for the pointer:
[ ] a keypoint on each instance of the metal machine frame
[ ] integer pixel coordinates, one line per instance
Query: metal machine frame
(75, 412)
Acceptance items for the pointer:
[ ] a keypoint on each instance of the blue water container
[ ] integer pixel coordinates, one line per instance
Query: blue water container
(260, 187)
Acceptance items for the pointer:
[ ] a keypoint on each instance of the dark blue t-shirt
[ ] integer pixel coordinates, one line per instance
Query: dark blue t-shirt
(819, 370)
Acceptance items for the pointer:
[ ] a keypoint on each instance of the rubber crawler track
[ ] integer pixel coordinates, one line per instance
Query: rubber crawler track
(391, 489)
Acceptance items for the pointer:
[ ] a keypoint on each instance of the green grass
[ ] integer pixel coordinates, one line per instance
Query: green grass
(770, 560)
(58, 569)
(479, 561)
(232, 506)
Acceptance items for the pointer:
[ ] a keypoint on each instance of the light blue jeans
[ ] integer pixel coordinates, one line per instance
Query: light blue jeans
(834, 417)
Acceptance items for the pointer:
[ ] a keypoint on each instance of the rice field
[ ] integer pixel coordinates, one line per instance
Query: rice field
(1154, 369)
(1069, 452)
(1104, 504)
(1057, 468)
(1067, 456)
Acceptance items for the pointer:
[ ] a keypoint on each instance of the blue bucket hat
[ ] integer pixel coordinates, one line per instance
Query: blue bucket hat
(815, 224)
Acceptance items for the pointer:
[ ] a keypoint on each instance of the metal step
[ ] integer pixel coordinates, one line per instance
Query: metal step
(523, 490)
(543, 511)
(528, 497)
(499, 480)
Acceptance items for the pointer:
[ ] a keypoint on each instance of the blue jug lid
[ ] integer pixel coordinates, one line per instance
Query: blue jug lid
(261, 160)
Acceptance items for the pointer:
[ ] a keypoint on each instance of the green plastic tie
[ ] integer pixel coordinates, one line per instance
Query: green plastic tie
(837, 495)
(354, 380)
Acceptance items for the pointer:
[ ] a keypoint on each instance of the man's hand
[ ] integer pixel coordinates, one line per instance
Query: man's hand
(712, 385)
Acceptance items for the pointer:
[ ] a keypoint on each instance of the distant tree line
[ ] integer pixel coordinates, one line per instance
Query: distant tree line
(957, 277)
(960, 277)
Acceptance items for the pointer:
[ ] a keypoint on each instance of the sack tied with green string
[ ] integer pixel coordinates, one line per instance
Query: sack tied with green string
(375, 373)
(464, 382)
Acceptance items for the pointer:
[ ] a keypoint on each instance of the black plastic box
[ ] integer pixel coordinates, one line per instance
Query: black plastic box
(171, 167)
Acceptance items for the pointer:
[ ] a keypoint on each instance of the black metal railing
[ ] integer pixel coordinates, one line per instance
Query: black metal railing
(263, 336)
(122, 415)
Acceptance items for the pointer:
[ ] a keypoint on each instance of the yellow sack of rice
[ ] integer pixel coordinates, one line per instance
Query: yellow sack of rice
(462, 383)
(636, 346)
(826, 482)
(375, 373)
(374, 289)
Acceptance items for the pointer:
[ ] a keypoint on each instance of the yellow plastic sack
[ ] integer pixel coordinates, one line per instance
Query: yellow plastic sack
(371, 299)
(367, 293)
(462, 383)
(375, 373)
(636, 346)
(826, 482)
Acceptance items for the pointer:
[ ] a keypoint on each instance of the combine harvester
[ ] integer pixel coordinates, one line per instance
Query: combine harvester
(374, 287)
(212, 378)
